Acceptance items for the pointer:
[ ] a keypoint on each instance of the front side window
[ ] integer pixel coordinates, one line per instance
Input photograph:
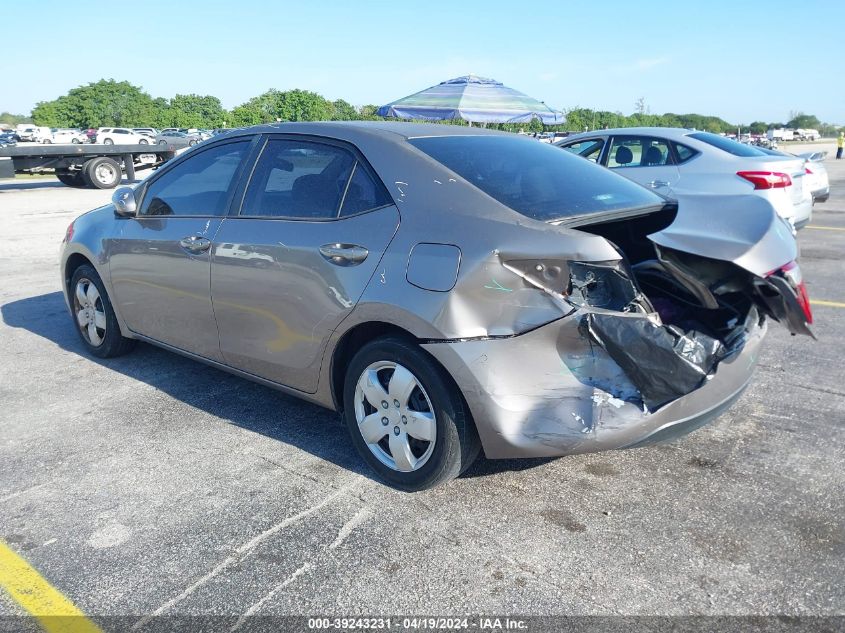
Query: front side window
(638, 151)
(535, 179)
(299, 180)
(198, 186)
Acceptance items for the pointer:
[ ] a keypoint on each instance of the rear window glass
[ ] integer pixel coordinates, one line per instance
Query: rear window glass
(726, 145)
(538, 180)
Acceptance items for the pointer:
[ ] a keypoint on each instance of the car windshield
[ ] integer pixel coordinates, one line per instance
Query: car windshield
(538, 180)
(727, 145)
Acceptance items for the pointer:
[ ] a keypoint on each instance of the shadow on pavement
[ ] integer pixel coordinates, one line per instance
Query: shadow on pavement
(242, 402)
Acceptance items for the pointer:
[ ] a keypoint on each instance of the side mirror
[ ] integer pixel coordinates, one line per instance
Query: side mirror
(123, 200)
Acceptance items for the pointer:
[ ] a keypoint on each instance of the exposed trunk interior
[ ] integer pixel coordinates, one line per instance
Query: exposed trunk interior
(706, 308)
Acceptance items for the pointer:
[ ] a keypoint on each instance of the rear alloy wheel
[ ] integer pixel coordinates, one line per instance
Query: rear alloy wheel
(95, 319)
(143, 141)
(406, 417)
(102, 173)
(108, 141)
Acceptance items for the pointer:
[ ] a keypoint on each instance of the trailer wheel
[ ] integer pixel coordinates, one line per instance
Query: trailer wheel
(102, 173)
(72, 179)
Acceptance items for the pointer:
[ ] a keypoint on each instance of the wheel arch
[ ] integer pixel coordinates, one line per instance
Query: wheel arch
(350, 342)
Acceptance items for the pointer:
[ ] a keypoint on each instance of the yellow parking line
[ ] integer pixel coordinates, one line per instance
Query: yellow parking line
(825, 228)
(54, 612)
(832, 304)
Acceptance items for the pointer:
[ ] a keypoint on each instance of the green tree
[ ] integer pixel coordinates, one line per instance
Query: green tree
(194, 111)
(758, 127)
(106, 102)
(344, 111)
(290, 105)
(9, 119)
(804, 121)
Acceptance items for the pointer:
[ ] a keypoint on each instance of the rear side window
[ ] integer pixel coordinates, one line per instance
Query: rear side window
(589, 148)
(535, 179)
(363, 193)
(684, 153)
(298, 180)
(197, 186)
(727, 145)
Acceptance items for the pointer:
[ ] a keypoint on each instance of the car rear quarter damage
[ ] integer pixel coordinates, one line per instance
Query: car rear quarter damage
(645, 347)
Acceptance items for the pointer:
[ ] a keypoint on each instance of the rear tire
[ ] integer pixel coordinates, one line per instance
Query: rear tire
(75, 141)
(143, 141)
(431, 405)
(108, 141)
(102, 173)
(92, 312)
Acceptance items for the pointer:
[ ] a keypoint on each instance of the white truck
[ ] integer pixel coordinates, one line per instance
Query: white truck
(807, 134)
(780, 134)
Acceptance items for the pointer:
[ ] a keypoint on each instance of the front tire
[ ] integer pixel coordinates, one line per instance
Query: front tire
(406, 417)
(94, 316)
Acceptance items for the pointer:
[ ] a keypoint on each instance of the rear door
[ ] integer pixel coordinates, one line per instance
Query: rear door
(646, 160)
(312, 228)
(159, 261)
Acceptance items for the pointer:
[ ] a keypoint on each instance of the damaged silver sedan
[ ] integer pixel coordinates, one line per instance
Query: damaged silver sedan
(447, 289)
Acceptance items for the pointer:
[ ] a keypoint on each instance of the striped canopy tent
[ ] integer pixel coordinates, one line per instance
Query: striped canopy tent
(473, 99)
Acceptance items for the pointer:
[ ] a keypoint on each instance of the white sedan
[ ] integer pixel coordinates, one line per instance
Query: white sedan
(121, 136)
(676, 161)
(63, 137)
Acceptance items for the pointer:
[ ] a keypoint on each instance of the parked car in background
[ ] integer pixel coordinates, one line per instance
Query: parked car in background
(674, 161)
(121, 136)
(64, 136)
(146, 131)
(818, 181)
(177, 138)
(34, 133)
(524, 300)
(9, 139)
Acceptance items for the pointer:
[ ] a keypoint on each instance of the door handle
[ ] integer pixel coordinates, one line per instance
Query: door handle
(195, 243)
(344, 254)
(656, 184)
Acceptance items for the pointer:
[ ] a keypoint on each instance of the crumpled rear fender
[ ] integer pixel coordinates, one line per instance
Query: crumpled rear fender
(553, 391)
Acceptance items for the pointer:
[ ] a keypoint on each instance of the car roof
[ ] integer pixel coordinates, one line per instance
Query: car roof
(376, 128)
(676, 133)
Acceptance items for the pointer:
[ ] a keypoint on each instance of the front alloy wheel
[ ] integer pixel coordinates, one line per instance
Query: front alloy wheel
(94, 315)
(90, 314)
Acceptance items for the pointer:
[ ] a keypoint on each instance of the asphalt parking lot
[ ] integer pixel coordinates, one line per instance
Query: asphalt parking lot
(150, 484)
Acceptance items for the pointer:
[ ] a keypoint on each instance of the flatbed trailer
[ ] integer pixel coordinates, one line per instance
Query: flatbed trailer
(94, 166)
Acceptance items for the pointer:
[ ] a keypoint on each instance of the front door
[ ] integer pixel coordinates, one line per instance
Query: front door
(313, 226)
(160, 260)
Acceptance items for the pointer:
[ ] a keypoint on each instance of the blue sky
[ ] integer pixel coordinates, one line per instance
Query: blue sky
(742, 61)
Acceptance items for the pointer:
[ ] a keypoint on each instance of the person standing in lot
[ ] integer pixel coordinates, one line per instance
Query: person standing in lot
(840, 143)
